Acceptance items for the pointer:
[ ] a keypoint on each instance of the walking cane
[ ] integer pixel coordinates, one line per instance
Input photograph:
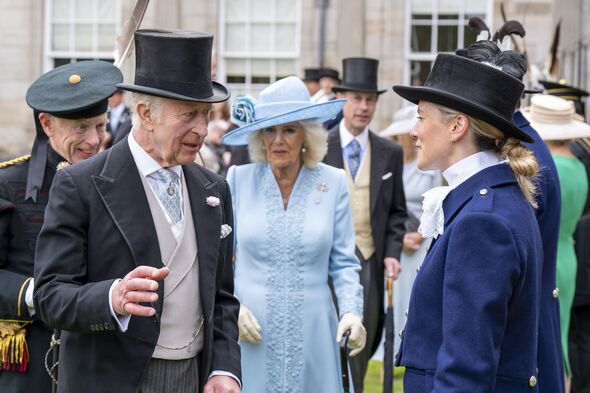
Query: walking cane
(344, 362)
(388, 345)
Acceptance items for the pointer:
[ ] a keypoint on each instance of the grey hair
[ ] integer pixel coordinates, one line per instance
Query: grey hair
(315, 143)
(154, 103)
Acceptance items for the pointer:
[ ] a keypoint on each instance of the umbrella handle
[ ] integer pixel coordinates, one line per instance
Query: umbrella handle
(390, 291)
(344, 361)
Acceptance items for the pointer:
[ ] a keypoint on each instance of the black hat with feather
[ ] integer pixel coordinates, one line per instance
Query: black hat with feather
(485, 85)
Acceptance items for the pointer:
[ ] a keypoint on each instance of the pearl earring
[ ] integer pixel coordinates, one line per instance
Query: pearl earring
(303, 149)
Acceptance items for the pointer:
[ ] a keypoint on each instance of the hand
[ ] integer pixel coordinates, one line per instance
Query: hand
(358, 334)
(249, 326)
(138, 286)
(412, 241)
(221, 384)
(392, 267)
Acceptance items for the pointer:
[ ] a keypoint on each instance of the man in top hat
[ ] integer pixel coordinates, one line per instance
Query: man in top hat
(133, 261)
(328, 78)
(69, 104)
(374, 170)
(311, 78)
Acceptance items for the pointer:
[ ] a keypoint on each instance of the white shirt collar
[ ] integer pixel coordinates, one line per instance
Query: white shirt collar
(346, 136)
(469, 166)
(145, 163)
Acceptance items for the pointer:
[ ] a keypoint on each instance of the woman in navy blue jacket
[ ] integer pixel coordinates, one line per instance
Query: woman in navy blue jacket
(473, 315)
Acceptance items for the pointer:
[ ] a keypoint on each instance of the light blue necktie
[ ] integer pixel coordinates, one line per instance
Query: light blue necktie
(354, 157)
(166, 184)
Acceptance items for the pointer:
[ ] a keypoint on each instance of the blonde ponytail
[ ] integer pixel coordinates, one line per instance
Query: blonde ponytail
(524, 165)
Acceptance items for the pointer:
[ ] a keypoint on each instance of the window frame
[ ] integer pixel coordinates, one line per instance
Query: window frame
(222, 54)
(49, 55)
(434, 22)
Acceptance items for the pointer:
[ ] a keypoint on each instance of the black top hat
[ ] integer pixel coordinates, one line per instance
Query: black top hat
(328, 73)
(176, 65)
(359, 74)
(477, 89)
(311, 74)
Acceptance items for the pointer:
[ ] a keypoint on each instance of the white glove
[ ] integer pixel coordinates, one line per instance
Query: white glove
(249, 326)
(358, 334)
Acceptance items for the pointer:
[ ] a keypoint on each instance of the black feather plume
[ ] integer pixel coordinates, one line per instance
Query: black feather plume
(477, 25)
(509, 61)
(509, 28)
(554, 67)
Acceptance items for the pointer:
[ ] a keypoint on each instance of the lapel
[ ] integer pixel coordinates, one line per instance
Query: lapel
(119, 186)
(207, 221)
(491, 177)
(378, 163)
(488, 178)
(334, 155)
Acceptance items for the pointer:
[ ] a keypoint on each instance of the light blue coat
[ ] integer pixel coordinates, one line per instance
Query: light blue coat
(283, 261)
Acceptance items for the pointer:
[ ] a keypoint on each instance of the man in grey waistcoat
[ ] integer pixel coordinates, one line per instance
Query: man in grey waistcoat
(133, 262)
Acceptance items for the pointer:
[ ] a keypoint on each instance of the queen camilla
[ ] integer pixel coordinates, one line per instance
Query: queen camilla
(293, 231)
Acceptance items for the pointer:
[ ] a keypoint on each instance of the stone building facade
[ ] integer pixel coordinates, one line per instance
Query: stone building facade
(256, 41)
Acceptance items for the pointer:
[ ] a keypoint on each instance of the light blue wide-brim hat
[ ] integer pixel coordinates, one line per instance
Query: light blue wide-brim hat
(285, 101)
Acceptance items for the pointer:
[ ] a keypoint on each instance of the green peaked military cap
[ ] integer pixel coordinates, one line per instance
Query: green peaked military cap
(75, 90)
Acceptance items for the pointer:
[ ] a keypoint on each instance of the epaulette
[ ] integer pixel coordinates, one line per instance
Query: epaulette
(14, 161)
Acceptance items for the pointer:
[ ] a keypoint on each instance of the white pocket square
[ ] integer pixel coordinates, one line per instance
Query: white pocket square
(225, 230)
(386, 176)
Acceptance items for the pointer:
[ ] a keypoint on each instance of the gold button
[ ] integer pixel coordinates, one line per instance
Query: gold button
(74, 79)
(483, 191)
(533, 381)
(555, 293)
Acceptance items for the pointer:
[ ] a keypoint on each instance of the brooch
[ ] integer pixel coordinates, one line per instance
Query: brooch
(322, 186)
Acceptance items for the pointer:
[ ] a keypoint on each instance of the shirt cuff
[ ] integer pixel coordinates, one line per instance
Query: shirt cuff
(29, 297)
(226, 374)
(123, 320)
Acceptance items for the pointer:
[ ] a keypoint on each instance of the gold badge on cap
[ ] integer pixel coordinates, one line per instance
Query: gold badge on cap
(74, 79)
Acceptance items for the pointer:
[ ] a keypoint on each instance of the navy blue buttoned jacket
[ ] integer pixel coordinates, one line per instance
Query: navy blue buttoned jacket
(473, 316)
(550, 357)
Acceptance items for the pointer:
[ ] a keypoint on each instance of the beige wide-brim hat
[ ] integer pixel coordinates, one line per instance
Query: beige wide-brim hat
(404, 121)
(555, 118)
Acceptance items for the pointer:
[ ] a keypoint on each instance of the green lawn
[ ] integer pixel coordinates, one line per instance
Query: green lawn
(373, 378)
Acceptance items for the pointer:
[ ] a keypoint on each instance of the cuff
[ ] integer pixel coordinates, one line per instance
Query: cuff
(123, 320)
(226, 374)
(29, 297)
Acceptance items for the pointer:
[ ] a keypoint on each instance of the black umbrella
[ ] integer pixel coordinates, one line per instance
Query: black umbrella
(388, 346)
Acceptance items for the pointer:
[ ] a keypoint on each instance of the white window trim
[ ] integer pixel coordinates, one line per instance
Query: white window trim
(49, 55)
(222, 54)
(434, 22)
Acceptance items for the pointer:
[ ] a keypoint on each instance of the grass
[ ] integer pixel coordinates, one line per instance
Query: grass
(373, 382)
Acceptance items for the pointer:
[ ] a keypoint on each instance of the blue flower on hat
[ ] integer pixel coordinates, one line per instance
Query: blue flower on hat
(242, 110)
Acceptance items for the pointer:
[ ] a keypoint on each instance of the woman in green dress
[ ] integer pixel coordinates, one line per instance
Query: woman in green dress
(556, 121)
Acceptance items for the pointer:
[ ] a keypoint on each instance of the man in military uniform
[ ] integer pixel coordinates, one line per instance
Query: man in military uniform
(69, 104)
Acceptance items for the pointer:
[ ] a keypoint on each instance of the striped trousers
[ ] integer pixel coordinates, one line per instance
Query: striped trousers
(171, 376)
